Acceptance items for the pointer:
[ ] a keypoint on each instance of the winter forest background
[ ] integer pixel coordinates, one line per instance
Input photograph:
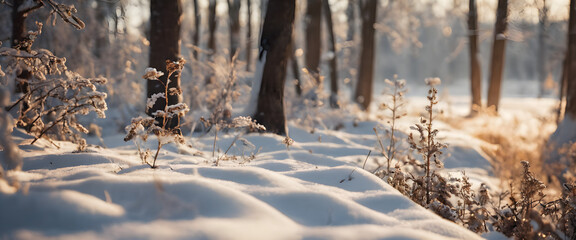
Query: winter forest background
(331, 119)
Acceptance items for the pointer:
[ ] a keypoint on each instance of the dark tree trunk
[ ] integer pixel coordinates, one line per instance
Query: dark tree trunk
(498, 55)
(541, 59)
(275, 52)
(19, 26)
(197, 24)
(333, 60)
(248, 35)
(19, 41)
(571, 64)
(165, 20)
(234, 23)
(313, 38)
(212, 24)
(366, 69)
(475, 71)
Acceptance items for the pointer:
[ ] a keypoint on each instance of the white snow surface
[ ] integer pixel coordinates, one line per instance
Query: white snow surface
(316, 189)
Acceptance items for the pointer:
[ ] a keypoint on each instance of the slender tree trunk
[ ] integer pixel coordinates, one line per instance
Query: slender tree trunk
(541, 59)
(234, 23)
(295, 67)
(351, 31)
(197, 30)
(248, 35)
(475, 71)
(498, 55)
(165, 20)
(571, 64)
(333, 60)
(366, 69)
(275, 52)
(101, 41)
(562, 90)
(212, 24)
(19, 41)
(313, 38)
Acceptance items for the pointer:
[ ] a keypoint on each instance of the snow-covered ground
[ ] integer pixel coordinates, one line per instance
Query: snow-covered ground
(313, 189)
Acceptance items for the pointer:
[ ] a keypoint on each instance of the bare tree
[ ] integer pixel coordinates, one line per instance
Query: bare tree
(363, 93)
(274, 54)
(313, 38)
(234, 23)
(333, 60)
(498, 55)
(475, 71)
(165, 20)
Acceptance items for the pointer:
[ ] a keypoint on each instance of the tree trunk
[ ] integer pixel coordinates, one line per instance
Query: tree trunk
(197, 24)
(212, 24)
(165, 20)
(295, 68)
(19, 41)
(571, 64)
(101, 42)
(475, 71)
(565, 134)
(19, 26)
(234, 23)
(366, 69)
(313, 38)
(498, 55)
(333, 60)
(541, 59)
(351, 31)
(248, 35)
(275, 52)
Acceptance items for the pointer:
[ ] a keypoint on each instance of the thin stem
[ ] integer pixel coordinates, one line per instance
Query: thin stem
(156, 155)
(430, 143)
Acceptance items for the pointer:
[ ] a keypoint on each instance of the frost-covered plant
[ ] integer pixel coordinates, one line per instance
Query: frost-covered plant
(427, 145)
(520, 217)
(141, 127)
(236, 123)
(52, 95)
(396, 90)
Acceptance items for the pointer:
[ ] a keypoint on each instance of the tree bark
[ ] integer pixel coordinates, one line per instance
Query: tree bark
(313, 38)
(498, 55)
(234, 24)
(475, 70)
(363, 94)
(333, 60)
(165, 20)
(275, 52)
